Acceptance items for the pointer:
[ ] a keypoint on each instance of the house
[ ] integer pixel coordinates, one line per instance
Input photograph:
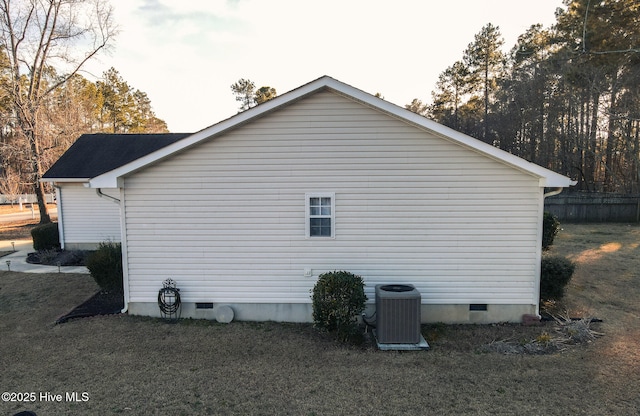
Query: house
(248, 212)
(88, 216)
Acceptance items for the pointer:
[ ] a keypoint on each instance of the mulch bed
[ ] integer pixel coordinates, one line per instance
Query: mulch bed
(58, 257)
(102, 303)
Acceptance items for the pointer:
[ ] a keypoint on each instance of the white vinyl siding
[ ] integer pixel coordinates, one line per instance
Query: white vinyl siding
(88, 218)
(226, 218)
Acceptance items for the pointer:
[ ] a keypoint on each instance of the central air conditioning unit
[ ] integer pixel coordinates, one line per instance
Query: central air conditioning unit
(398, 314)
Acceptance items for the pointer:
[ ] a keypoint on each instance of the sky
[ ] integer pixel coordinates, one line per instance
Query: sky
(185, 54)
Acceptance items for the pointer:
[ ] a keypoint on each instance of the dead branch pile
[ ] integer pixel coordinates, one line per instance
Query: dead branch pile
(567, 332)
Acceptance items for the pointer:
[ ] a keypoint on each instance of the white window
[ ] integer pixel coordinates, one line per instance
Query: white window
(320, 215)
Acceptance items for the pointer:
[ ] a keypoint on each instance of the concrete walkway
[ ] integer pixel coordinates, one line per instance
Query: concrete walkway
(19, 263)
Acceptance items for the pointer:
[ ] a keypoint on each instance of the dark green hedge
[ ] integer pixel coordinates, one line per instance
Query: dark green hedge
(556, 272)
(550, 228)
(46, 237)
(338, 298)
(105, 266)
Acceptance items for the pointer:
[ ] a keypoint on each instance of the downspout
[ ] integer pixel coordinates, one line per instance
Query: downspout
(108, 197)
(555, 191)
(60, 215)
(552, 193)
(116, 201)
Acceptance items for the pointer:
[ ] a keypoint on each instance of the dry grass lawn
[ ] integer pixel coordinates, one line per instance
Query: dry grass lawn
(142, 366)
(18, 229)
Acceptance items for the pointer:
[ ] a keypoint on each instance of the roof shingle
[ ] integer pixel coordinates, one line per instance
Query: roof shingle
(94, 154)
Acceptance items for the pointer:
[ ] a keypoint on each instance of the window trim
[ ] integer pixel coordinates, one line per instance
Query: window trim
(308, 216)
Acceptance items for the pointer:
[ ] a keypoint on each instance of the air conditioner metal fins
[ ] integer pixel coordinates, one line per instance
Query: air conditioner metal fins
(398, 314)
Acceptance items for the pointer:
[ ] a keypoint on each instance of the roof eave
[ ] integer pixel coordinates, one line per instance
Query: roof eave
(557, 181)
(111, 178)
(547, 177)
(65, 180)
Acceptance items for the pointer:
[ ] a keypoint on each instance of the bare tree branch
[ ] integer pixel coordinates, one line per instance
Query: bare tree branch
(47, 42)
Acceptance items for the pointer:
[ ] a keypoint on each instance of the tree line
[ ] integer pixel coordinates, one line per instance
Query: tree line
(45, 102)
(79, 106)
(565, 97)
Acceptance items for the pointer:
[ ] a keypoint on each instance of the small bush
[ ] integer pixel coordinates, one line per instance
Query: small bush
(46, 237)
(338, 298)
(556, 272)
(105, 266)
(550, 228)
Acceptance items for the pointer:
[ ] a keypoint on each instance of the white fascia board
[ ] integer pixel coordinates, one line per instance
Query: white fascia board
(111, 179)
(547, 177)
(65, 180)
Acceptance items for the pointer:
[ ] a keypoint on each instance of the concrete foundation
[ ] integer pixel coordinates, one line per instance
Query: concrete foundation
(460, 314)
(81, 246)
(302, 312)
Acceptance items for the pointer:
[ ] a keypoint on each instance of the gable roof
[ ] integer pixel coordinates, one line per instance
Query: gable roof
(547, 177)
(94, 154)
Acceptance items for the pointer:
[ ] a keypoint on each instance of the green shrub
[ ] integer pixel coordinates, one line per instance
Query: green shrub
(550, 228)
(556, 272)
(46, 237)
(105, 266)
(338, 298)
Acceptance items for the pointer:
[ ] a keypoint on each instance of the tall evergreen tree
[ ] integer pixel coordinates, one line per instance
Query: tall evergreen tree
(485, 62)
(244, 90)
(246, 93)
(125, 109)
(567, 98)
(452, 89)
(118, 103)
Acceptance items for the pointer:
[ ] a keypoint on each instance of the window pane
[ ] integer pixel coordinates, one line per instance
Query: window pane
(314, 210)
(321, 222)
(326, 201)
(314, 201)
(326, 210)
(320, 227)
(325, 231)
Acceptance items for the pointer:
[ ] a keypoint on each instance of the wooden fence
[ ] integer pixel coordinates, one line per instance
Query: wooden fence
(591, 207)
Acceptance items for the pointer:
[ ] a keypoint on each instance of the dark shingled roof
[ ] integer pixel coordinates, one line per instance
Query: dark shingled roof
(94, 154)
